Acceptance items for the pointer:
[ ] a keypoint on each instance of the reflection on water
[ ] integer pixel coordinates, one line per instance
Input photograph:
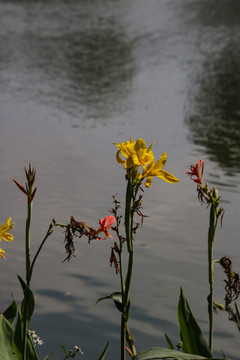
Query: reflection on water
(100, 68)
(214, 101)
(213, 13)
(82, 63)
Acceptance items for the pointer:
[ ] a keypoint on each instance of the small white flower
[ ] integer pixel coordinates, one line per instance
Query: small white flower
(38, 341)
(32, 333)
(78, 349)
(35, 338)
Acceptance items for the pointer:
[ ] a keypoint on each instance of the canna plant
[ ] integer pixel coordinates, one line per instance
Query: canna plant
(212, 199)
(17, 342)
(140, 166)
(193, 343)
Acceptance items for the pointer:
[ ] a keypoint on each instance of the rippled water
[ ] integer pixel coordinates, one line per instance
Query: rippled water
(77, 76)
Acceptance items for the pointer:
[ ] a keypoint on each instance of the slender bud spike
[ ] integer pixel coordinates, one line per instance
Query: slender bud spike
(33, 194)
(20, 186)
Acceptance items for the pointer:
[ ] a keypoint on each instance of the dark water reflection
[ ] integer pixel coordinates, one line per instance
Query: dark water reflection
(82, 63)
(214, 99)
(100, 68)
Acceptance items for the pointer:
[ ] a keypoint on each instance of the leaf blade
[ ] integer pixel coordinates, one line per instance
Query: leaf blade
(163, 353)
(193, 341)
(102, 357)
(6, 339)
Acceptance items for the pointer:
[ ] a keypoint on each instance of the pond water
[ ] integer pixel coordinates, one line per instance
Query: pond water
(77, 76)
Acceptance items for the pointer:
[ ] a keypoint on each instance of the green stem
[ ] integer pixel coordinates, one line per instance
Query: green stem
(126, 286)
(128, 277)
(28, 271)
(122, 337)
(27, 242)
(49, 232)
(128, 217)
(121, 271)
(211, 234)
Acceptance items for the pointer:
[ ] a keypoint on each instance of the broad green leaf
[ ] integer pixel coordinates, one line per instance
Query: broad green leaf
(117, 298)
(18, 338)
(11, 312)
(27, 307)
(170, 344)
(6, 339)
(162, 353)
(193, 341)
(102, 357)
(18, 342)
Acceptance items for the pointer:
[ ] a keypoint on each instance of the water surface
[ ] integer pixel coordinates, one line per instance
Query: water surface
(77, 76)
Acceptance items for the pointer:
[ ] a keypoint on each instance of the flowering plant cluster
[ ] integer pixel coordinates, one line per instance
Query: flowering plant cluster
(138, 155)
(17, 342)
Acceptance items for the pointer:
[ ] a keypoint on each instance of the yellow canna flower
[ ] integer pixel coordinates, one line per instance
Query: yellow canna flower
(156, 170)
(136, 153)
(2, 253)
(4, 230)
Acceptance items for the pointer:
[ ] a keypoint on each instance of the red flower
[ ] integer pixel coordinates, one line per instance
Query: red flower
(106, 224)
(195, 171)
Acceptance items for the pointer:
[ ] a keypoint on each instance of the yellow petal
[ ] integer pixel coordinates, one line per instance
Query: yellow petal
(164, 175)
(161, 162)
(4, 228)
(150, 147)
(2, 253)
(7, 237)
(128, 163)
(143, 154)
(148, 182)
(119, 160)
(135, 160)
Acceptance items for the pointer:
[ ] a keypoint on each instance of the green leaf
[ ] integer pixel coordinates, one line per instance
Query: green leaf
(193, 341)
(11, 312)
(27, 307)
(18, 342)
(117, 298)
(48, 356)
(170, 344)
(162, 353)
(18, 338)
(102, 357)
(6, 339)
(64, 349)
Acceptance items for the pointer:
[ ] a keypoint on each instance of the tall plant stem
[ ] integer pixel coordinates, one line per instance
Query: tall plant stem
(128, 215)
(27, 242)
(129, 228)
(126, 285)
(49, 232)
(123, 337)
(211, 234)
(28, 271)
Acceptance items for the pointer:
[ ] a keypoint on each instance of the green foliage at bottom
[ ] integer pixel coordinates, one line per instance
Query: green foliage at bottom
(6, 339)
(193, 341)
(162, 353)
